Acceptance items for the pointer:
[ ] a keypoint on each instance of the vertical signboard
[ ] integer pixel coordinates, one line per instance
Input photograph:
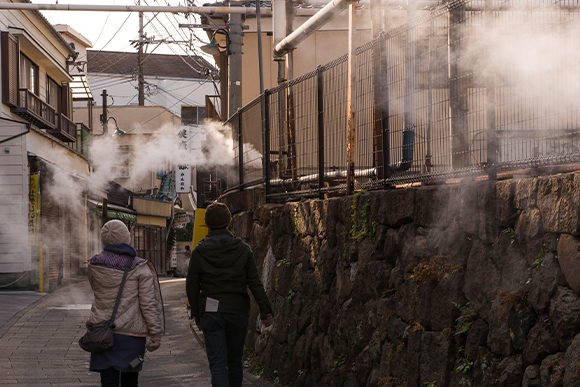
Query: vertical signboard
(183, 137)
(182, 178)
(33, 210)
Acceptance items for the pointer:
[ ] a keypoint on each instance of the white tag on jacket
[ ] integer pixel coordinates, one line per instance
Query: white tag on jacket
(211, 305)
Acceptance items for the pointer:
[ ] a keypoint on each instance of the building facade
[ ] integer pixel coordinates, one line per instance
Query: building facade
(44, 168)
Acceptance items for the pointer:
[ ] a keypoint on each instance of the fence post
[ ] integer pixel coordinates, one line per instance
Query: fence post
(266, 123)
(377, 111)
(458, 87)
(384, 101)
(320, 91)
(240, 150)
(351, 100)
(490, 103)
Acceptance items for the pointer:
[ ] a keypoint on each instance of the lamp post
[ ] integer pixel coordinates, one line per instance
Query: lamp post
(213, 48)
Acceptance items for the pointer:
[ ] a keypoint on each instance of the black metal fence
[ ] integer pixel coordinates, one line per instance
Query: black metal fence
(473, 88)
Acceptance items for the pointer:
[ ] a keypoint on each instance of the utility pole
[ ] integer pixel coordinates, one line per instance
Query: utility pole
(235, 27)
(104, 117)
(141, 79)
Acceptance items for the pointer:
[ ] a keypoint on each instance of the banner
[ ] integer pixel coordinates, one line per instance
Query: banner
(182, 178)
(33, 210)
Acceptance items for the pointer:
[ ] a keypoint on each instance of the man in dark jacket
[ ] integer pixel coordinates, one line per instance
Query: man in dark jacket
(221, 269)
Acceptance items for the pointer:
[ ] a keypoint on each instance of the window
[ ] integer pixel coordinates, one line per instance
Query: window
(28, 74)
(122, 170)
(192, 115)
(53, 94)
(10, 50)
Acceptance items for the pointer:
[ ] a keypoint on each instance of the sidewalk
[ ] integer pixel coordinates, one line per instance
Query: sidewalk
(39, 342)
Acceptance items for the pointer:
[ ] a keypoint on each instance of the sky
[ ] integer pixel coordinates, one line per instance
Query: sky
(113, 31)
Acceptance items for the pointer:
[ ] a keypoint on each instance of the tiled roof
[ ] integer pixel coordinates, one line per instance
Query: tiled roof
(154, 65)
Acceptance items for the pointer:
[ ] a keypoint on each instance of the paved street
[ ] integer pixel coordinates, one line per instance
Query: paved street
(38, 343)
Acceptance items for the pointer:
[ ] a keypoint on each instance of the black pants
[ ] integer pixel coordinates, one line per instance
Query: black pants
(225, 335)
(110, 378)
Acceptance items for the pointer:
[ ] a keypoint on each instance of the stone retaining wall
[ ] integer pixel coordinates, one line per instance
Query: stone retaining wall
(460, 285)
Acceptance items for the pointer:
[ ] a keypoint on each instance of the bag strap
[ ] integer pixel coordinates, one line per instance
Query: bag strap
(127, 267)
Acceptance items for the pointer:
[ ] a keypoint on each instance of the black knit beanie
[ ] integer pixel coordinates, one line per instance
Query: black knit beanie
(217, 215)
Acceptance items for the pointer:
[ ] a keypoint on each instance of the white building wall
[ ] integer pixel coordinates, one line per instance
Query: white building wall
(170, 93)
(14, 249)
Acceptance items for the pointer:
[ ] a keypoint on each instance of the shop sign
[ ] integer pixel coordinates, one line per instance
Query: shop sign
(33, 210)
(182, 178)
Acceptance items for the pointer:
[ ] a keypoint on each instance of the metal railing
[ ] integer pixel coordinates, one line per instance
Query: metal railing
(66, 129)
(472, 88)
(32, 108)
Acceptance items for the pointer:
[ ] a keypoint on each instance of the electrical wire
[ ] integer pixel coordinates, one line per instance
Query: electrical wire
(195, 59)
(114, 35)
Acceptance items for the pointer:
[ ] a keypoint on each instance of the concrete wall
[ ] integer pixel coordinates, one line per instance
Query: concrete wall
(456, 285)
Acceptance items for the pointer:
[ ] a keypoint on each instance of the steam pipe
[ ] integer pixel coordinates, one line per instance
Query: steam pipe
(290, 42)
(398, 3)
(370, 172)
(129, 8)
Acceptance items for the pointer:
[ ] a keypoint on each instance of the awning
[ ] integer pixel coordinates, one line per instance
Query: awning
(112, 214)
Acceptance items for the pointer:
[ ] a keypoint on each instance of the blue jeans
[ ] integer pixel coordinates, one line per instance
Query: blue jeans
(225, 335)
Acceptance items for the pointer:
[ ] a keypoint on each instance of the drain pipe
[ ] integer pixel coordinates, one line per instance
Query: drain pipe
(330, 10)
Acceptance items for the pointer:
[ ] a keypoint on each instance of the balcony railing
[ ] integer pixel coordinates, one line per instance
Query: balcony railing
(32, 109)
(65, 129)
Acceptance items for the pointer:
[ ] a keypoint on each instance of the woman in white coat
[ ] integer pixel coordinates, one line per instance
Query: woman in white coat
(140, 313)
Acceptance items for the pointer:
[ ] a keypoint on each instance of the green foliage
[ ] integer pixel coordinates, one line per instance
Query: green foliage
(297, 222)
(465, 362)
(539, 261)
(291, 295)
(511, 234)
(432, 384)
(360, 232)
(259, 369)
(466, 319)
(170, 239)
(338, 362)
(276, 378)
(284, 262)
(248, 358)
(184, 234)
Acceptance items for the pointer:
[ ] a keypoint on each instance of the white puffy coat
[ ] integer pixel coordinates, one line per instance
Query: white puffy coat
(140, 311)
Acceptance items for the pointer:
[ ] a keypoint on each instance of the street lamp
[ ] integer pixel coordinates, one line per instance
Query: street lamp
(213, 48)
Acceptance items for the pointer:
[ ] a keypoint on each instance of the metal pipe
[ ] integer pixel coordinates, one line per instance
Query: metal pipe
(278, 21)
(396, 3)
(332, 175)
(290, 42)
(129, 8)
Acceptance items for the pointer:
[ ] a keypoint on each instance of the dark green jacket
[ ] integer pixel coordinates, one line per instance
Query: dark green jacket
(222, 267)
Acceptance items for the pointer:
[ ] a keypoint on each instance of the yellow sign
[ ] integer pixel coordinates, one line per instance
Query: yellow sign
(199, 228)
(33, 210)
